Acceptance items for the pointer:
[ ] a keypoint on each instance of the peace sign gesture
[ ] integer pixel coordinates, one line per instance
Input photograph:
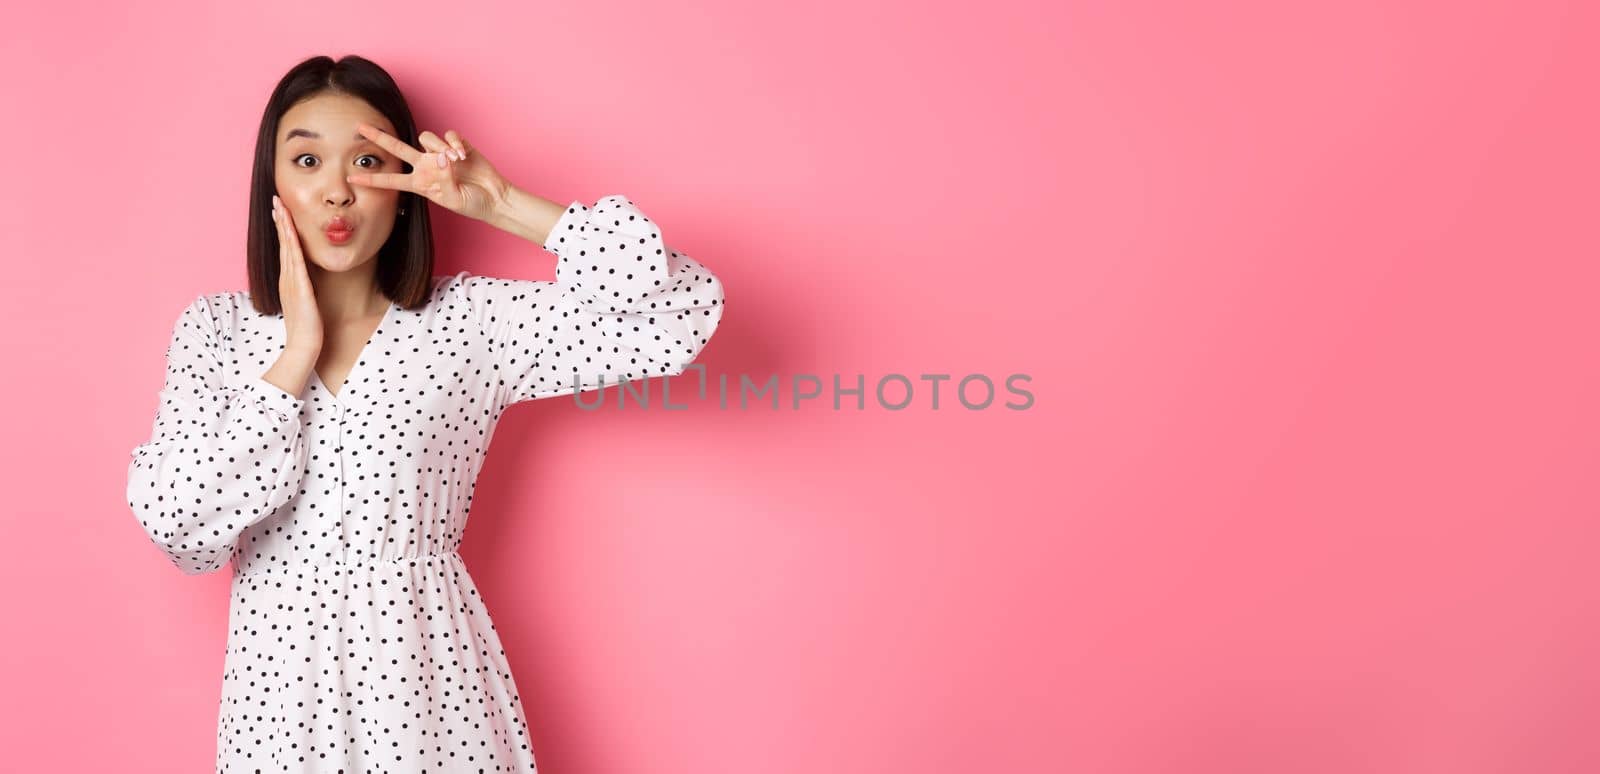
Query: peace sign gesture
(451, 173)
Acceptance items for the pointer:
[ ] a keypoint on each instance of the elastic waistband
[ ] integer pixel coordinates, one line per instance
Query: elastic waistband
(343, 566)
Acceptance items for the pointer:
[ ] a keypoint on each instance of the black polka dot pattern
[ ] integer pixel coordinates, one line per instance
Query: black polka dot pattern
(357, 641)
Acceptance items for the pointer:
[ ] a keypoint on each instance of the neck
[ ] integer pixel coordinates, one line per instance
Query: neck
(347, 295)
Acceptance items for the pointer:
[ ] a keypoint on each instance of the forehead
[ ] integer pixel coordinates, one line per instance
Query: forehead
(333, 117)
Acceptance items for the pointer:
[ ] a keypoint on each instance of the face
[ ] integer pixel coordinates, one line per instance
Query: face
(341, 225)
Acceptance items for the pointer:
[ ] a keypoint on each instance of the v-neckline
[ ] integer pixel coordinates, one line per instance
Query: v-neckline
(361, 357)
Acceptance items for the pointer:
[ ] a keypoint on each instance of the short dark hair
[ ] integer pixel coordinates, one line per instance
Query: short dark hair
(405, 261)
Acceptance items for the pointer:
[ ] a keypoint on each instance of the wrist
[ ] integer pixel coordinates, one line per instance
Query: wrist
(300, 354)
(502, 210)
(525, 214)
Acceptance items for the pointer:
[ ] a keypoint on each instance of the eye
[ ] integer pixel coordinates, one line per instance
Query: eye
(377, 160)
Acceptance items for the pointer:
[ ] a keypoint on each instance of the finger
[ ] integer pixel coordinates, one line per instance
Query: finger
(450, 148)
(290, 255)
(441, 159)
(388, 142)
(431, 142)
(457, 141)
(288, 244)
(401, 181)
(453, 146)
(285, 266)
(278, 219)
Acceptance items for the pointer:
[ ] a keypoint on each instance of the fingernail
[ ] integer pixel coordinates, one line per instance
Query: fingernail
(441, 161)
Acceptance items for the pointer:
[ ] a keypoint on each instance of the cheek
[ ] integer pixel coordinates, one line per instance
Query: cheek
(292, 197)
(385, 207)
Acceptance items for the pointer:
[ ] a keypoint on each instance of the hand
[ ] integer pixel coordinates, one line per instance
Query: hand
(302, 321)
(451, 174)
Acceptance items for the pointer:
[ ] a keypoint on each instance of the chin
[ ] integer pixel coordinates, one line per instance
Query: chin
(339, 263)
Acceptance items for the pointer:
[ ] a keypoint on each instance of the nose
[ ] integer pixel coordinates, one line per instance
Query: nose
(339, 192)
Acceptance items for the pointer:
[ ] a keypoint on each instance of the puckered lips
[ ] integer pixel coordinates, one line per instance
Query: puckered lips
(339, 230)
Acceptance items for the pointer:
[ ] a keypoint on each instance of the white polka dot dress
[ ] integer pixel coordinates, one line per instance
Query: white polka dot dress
(357, 641)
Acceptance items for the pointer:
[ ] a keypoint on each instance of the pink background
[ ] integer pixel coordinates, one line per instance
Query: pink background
(1307, 297)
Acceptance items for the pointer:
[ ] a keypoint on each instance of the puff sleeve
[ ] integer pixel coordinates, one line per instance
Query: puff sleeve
(624, 306)
(219, 458)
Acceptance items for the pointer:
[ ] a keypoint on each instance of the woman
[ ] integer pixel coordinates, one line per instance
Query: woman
(322, 432)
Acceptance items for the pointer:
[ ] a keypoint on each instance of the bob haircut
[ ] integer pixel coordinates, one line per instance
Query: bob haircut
(405, 261)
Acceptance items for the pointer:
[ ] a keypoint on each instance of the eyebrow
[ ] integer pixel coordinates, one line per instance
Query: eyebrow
(293, 133)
